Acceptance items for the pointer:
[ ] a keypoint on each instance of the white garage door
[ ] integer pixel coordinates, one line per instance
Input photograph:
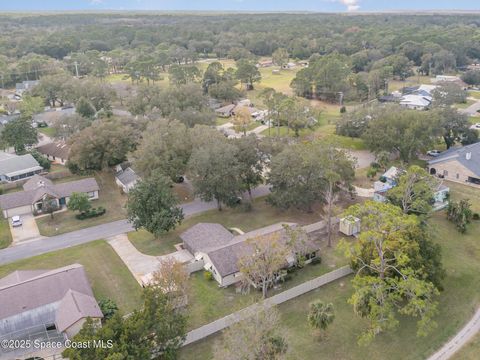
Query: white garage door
(21, 210)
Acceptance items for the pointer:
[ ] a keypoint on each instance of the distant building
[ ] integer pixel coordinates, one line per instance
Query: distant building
(46, 304)
(38, 189)
(417, 97)
(20, 88)
(18, 167)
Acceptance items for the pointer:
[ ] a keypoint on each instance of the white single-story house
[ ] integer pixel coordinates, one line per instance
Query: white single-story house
(217, 250)
(57, 152)
(126, 179)
(416, 102)
(39, 189)
(41, 304)
(18, 167)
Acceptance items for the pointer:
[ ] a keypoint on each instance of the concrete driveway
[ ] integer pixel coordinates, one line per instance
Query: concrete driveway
(28, 230)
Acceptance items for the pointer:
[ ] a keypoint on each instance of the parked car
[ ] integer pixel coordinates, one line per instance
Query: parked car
(434, 153)
(16, 221)
(475, 126)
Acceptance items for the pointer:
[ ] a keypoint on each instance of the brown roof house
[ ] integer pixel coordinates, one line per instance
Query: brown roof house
(38, 189)
(40, 303)
(217, 250)
(57, 152)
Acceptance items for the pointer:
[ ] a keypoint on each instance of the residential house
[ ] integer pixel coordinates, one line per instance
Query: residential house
(217, 250)
(57, 152)
(46, 304)
(17, 167)
(265, 63)
(20, 88)
(389, 180)
(39, 189)
(460, 165)
(225, 111)
(418, 97)
(126, 178)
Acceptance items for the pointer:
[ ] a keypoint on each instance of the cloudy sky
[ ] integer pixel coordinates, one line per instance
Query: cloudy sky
(241, 5)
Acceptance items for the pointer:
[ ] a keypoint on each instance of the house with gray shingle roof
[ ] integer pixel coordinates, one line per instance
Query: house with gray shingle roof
(56, 301)
(38, 189)
(460, 165)
(57, 152)
(217, 250)
(18, 167)
(126, 179)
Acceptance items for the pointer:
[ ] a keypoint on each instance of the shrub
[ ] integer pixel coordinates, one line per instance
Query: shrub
(207, 275)
(316, 260)
(371, 172)
(343, 110)
(108, 308)
(476, 216)
(91, 213)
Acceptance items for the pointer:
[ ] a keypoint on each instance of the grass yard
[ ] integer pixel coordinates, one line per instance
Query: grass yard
(110, 198)
(261, 215)
(457, 304)
(208, 302)
(465, 104)
(5, 236)
(474, 93)
(49, 131)
(278, 81)
(107, 274)
(459, 191)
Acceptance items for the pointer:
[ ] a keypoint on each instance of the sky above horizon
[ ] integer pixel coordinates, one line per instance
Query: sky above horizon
(240, 5)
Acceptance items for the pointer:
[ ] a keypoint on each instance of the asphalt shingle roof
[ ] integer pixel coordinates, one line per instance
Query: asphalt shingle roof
(16, 165)
(127, 176)
(460, 155)
(39, 186)
(204, 236)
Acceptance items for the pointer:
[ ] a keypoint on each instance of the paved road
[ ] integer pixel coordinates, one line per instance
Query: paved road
(472, 109)
(462, 337)
(36, 247)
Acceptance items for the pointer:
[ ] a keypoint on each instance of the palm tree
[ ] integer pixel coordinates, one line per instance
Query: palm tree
(321, 315)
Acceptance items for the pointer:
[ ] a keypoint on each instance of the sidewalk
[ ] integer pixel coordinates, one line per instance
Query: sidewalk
(462, 337)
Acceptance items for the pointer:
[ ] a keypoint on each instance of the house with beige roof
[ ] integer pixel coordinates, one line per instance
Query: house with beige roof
(39, 189)
(40, 304)
(17, 167)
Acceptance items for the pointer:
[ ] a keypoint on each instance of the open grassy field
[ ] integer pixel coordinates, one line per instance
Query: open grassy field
(396, 85)
(465, 104)
(261, 215)
(5, 236)
(110, 198)
(457, 304)
(107, 274)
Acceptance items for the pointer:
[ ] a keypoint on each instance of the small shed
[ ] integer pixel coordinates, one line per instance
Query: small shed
(350, 225)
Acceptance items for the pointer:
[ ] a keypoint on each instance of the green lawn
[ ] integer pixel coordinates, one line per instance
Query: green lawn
(465, 104)
(49, 131)
(475, 94)
(110, 198)
(457, 304)
(459, 191)
(471, 351)
(208, 302)
(5, 236)
(261, 215)
(107, 274)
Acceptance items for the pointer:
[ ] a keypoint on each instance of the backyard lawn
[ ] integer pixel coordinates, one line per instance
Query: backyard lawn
(208, 302)
(110, 198)
(261, 215)
(49, 131)
(457, 304)
(459, 191)
(5, 236)
(107, 274)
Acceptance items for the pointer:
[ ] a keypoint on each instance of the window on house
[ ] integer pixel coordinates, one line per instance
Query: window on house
(458, 176)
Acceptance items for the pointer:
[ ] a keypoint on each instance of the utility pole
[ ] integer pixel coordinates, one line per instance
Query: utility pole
(76, 68)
